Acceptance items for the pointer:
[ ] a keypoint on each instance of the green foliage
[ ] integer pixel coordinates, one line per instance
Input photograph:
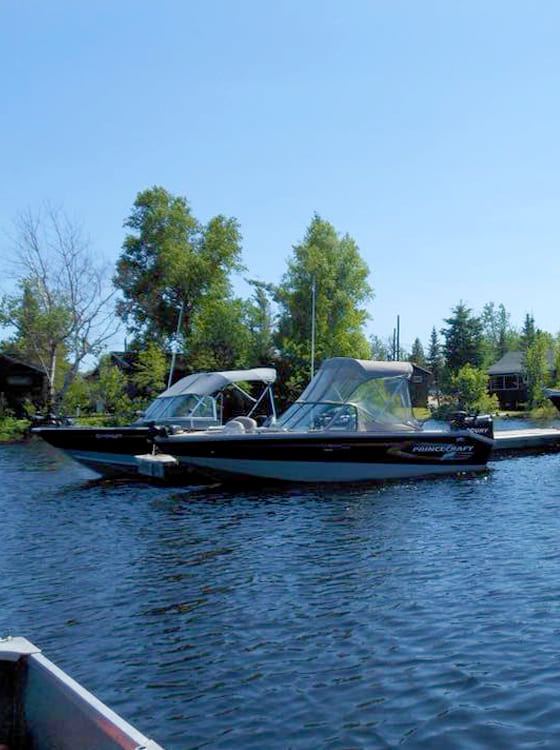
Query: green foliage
(12, 429)
(499, 335)
(378, 350)
(332, 266)
(60, 313)
(260, 320)
(537, 369)
(470, 390)
(463, 339)
(110, 390)
(556, 361)
(41, 320)
(417, 354)
(220, 338)
(149, 373)
(169, 260)
(435, 359)
(528, 333)
(78, 398)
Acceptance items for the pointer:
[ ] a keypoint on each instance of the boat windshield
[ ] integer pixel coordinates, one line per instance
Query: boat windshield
(189, 405)
(376, 404)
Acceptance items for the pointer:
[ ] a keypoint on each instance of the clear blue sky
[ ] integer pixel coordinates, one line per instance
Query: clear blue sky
(429, 131)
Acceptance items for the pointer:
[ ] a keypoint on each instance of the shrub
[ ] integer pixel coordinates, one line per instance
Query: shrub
(12, 429)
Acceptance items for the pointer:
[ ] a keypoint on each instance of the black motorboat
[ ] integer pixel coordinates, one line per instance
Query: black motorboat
(352, 423)
(197, 402)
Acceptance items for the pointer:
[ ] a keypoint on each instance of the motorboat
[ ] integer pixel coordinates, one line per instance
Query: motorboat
(197, 402)
(353, 423)
(41, 707)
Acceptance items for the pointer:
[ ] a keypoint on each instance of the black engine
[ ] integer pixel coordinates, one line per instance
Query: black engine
(482, 424)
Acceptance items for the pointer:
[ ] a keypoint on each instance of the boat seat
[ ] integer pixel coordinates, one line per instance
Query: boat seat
(233, 426)
(249, 424)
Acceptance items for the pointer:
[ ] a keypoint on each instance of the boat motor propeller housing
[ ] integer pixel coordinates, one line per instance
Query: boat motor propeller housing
(482, 424)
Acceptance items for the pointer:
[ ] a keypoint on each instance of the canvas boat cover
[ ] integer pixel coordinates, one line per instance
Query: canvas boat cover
(207, 383)
(339, 377)
(376, 393)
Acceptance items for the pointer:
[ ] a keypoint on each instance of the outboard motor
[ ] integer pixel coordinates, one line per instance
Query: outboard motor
(482, 424)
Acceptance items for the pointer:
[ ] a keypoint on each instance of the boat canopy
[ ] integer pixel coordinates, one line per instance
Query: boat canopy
(207, 383)
(192, 401)
(354, 394)
(339, 377)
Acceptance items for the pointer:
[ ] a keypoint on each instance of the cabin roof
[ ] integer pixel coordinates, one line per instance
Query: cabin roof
(512, 363)
(7, 360)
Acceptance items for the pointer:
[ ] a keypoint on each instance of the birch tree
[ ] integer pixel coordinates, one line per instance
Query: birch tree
(62, 311)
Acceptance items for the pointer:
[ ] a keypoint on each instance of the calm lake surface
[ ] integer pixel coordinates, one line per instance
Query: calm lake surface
(423, 615)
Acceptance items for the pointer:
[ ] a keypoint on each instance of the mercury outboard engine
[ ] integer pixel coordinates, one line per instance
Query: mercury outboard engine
(482, 424)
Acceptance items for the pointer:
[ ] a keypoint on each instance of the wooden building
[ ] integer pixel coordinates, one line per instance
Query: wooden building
(20, 383)
(420, 384)
(507, 379)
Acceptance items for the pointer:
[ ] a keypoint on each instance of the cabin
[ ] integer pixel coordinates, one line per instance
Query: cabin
(420, 384)
(20, 383)
(507, 379)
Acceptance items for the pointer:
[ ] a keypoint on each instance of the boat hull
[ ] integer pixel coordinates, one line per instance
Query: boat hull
(42, 707)
(344, 457)
(109, 451)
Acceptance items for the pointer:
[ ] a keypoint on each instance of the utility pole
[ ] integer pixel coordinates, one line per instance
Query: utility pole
(175, 345)
(313, 304)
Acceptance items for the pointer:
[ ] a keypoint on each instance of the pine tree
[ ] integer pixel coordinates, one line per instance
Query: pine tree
(528, 333)
(417, 354)
(463, 339)
(435, 360)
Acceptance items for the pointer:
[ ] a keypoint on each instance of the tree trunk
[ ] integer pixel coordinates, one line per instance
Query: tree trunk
(52, 375)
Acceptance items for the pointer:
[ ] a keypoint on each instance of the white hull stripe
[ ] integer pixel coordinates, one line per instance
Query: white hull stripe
(110, 460)
(308, 471)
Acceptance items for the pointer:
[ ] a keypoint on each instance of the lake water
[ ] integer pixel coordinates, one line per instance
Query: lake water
(423, 615)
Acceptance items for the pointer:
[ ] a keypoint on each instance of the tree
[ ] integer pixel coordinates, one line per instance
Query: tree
(556, 365)
(260, 318)
(470, 385)
(110, 390)
(379, 351)
(528, 333)
(435, 358)
(220, 337)
(417, 354)
(149, 371)
(171, 263)
(79, 397)
(463, 339)
(536, 369)
(330, 269)
(499, 335)
(61, 313)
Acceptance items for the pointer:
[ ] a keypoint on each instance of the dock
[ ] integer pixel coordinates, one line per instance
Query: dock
(531, 440)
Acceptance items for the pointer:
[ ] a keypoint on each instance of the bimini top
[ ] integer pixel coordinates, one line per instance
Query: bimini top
(354, 394)
(339, 377)
(207, 383)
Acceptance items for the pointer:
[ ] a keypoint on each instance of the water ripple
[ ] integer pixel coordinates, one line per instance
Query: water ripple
(408, 614)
